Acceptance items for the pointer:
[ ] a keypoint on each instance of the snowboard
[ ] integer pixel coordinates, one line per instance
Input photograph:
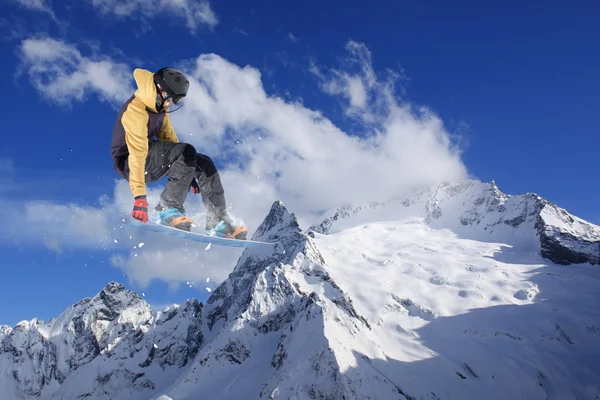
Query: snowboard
(195, 236)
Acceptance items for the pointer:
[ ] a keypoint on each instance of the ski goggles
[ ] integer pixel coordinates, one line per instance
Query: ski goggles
(168, 99)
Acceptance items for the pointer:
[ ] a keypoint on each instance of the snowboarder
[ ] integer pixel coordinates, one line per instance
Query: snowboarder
(145, 148)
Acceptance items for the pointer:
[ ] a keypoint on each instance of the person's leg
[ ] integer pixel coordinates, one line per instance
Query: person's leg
(213, 197)
(178, 162)
(211, 189)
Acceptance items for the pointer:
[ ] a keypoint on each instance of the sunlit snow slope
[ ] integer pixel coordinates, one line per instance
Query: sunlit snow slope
(449, 294)
(462, 319)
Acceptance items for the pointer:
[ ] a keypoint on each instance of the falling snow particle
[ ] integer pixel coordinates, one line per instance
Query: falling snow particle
(155, 346)
(115, 240)
(207, 280)
(143, 294)
(208, 247)
(141, 244)
(208, 290)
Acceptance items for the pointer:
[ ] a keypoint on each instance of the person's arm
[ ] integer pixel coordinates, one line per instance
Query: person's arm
(135, 122)
(167, 132)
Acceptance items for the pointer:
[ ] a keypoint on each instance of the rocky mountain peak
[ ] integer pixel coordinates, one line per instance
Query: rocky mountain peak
(481, 211)
(113, 288)
(4, 330)
(234, 295)
(277, 224)
(114, 299)
(50, 360)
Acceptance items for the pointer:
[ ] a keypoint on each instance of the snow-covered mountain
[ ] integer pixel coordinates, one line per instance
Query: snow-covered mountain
(481, 211)
(444, 295)
(108, 346)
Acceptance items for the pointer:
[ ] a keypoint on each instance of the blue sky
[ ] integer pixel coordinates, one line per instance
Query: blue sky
(514, 86)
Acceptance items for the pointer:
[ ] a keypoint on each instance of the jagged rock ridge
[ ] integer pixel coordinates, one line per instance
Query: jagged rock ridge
(113, 343)
(282, 327)
(273, 303)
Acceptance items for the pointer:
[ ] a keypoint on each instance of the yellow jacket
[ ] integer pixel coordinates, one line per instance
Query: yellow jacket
(139, 123)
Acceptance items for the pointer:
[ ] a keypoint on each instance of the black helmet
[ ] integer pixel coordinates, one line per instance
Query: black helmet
(172, 81)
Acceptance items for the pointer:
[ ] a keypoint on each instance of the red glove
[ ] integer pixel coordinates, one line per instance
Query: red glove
(194, 186)
(140, 209)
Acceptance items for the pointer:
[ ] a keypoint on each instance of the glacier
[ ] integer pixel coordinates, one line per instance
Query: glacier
(457, 292)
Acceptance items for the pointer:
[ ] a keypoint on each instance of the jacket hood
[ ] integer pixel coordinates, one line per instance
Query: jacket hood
(146, 91)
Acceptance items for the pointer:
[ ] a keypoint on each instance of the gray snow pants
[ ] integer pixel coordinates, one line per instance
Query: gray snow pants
(181, 163)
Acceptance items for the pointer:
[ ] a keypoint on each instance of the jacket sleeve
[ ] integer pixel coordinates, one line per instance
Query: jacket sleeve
(135, 122)
(167, 132)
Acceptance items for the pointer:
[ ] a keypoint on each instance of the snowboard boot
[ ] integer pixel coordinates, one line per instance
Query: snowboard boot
(227, 230)
(175, 218)
(218, 222)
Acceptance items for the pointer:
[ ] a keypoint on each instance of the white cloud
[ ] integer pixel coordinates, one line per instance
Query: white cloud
(178, 264)
(278, 150)
(297, 155)
(240, 31)
(62, 74)
(292, 37)
(356, 91)
(193, 12)
(37, 5)
(56, 226)
(72, 227)
(63, 227)
(358, 84)
(41, 6)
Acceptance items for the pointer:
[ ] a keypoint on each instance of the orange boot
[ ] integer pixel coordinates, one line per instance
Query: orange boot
(174, 218)
(227, 230)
